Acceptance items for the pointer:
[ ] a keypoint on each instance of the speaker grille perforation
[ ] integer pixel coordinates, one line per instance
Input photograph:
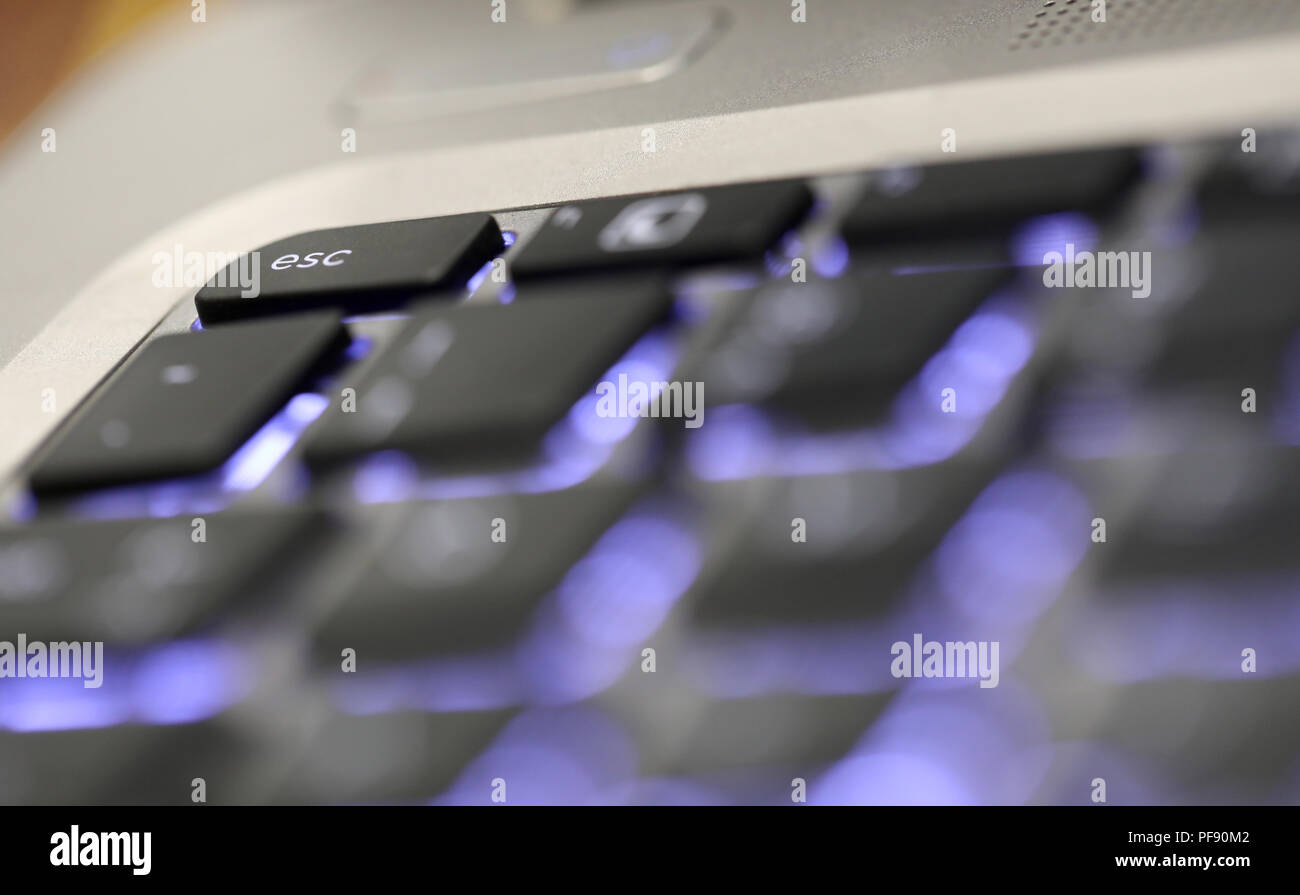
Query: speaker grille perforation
(1060, 23)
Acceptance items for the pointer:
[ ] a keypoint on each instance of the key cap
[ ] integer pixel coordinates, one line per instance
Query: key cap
(773, 733)
(969, 199)
(134, 581)
(151, 721)
(866, 535)
(1237, 323)
(406, 757)
(441, 584)
(1201, 568)
(698, 227)
(185, 403)
(1204, 740)
(355, 269)
(1248, 187)
(1211, 513)
(126, 764)
(488, 381)
(840, 348)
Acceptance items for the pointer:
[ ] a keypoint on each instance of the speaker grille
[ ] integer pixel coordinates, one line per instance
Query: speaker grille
(1061, 23)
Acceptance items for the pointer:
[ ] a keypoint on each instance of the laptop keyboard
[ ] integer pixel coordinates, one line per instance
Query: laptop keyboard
(666, 499)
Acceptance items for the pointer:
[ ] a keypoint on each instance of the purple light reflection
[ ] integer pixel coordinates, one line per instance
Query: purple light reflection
(479, 277)
(508, 238)
(613, 598)
(779, 260)
(571, 453)
(186, 681)
(23, 507)
(661, 791)
(616, 595)
(1192, 628)
(831, 259)
(174, 683)
(251, 464)
(1051, 233)
(470, 683)
(247, 468)
(622, 591)
(556, 756)
(878, 778)
(990, 746)
(1012, 552)
(980, 361)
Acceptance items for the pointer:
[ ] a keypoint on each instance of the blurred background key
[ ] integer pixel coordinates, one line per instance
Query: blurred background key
(404, 757)
(840, 350)
(966, 199)
(457, 576)
(136, 581)
(827, 549)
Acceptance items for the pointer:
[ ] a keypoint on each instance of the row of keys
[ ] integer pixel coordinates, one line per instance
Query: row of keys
(482, 383)
(1173, 740)
(378, 266)
(506, 373)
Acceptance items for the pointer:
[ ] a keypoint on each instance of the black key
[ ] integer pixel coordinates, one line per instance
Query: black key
(1199, 742)
(128, 764)
(1238, 321)
(184, 403)
(840, 349)
(970, 199)
(865, 537)
(133, 581)
(777, 733)
(700, 227)
(407, 757)
(355, 269)
(441, 583)
(488, 381)
(1247, 187)
(1210, 515)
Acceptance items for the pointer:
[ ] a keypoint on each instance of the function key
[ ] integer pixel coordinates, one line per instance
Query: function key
(698, 227)
(1262, 184)
(974, 199)
(354, 269)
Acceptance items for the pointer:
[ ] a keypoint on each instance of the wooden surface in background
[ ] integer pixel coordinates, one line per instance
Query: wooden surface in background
(44, 42)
